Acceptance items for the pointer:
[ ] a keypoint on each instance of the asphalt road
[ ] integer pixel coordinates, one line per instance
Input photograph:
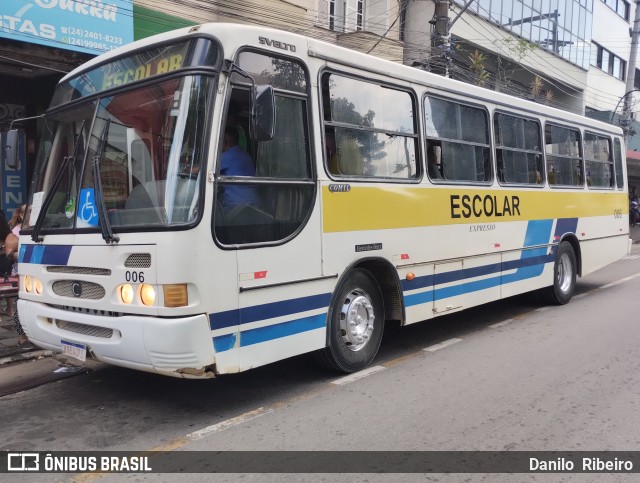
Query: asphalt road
(507, 376)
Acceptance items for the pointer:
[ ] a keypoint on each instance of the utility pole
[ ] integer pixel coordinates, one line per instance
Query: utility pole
(441, 42)
(441, 38)
(625, 121)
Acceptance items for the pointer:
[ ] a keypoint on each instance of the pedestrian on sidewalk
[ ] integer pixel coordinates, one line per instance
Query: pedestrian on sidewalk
(15, 224)
(10, 242)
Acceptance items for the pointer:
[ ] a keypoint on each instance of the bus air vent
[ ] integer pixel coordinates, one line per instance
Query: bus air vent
(85, 329)
(79, 270)
(82, 310)
(138, 260)
(89, 290)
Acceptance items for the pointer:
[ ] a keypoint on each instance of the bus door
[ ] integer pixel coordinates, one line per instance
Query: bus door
(265, 211)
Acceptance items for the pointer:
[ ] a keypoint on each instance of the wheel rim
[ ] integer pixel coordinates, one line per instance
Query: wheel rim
(356, 320)
(565, 273)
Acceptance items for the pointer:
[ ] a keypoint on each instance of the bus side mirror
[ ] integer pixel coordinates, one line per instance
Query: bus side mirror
(263, 115)
(11, 149)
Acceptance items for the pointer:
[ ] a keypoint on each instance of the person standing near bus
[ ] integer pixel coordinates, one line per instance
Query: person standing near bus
(10, 242)
(15, 224)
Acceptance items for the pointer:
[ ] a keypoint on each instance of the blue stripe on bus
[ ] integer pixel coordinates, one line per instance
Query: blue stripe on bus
(531, 264)
(224, 342)
(270, 332)
(271, 310)
(45, 254)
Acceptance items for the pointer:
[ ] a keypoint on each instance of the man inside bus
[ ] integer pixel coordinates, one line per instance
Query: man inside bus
(236, 162)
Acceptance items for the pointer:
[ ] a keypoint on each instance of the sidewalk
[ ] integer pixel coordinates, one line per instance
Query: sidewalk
(21, 370)
(25, 369)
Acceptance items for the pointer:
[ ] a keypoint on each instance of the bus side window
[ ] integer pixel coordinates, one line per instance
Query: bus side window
(462, 131)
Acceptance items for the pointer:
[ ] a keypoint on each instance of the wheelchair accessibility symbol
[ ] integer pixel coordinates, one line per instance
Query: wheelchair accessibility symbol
(87, 211)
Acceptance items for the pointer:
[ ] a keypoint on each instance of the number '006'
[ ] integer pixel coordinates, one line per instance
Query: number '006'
(134, 277)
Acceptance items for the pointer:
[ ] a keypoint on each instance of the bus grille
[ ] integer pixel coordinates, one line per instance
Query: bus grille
(138, 260)
(102, 332)
(79, 270)
(90, 290)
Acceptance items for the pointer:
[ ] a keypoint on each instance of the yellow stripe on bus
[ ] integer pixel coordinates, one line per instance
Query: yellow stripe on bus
(388, 207)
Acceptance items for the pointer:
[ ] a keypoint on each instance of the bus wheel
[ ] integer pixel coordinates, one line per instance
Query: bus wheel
(356, 324)
(564, 276)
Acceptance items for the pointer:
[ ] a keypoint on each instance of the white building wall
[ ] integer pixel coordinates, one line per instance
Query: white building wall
(611, 32)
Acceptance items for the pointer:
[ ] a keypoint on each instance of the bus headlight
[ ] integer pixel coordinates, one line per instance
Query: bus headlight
(175, 295)
(126, 293)
(37, 284)
(147, 294)
(28, 283)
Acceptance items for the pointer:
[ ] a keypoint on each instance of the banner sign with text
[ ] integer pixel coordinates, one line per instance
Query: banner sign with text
(90, 26)
(344, 462)
(14, 178)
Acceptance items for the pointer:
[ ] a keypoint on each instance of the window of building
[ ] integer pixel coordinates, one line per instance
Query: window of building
(610, 63)
(341, 15)
(458, 140)
(370, 129)
(518, 149)
(564, 156)
(621, 7)
(563, 28)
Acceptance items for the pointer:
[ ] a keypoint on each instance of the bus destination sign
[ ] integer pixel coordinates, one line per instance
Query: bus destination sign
(140, 67)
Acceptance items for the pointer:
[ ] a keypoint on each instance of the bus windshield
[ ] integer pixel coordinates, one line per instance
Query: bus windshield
(147, 148)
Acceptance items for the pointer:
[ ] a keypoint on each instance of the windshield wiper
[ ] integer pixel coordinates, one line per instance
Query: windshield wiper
(107, 232)
(35, 236)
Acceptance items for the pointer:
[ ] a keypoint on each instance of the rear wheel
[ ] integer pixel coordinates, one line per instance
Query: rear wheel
(356, 324)
(564, 276)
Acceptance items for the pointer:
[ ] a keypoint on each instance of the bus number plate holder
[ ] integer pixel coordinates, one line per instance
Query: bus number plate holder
(77, 351)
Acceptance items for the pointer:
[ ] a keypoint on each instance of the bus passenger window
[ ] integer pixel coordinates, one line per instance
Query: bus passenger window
(462, 132)
(518, 149)
(373, 126)
(598, 160)
(564, 155)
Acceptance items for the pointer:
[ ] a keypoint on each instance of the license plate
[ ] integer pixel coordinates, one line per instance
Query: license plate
(77, 351)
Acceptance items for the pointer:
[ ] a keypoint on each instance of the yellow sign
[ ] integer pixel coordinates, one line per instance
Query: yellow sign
(121, 76)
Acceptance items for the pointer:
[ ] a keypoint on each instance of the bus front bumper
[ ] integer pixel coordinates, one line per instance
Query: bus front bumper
(178, 347)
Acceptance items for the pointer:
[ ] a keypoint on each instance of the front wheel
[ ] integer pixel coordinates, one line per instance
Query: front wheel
(355, 325)
(564, 276)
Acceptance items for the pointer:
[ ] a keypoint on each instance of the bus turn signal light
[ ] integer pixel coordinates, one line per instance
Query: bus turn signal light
(410, 276)
(175, 295)
(28, 283)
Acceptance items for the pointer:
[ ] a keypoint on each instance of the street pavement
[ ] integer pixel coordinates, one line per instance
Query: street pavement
(21, 370)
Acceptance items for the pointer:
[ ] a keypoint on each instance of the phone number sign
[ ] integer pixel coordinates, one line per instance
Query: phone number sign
(90, 26)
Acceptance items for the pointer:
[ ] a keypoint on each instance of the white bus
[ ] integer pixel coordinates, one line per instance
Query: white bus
(220, 197)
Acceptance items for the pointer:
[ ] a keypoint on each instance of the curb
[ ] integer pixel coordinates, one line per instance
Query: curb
(26, 356)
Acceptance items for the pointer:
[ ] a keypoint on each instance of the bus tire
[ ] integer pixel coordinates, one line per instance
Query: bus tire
(355, 324)
(564, 276)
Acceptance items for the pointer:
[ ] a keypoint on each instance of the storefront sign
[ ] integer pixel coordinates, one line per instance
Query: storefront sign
(14, 178)
(90, 26)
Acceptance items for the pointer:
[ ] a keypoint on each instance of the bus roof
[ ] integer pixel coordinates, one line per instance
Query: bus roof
(240, 35)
